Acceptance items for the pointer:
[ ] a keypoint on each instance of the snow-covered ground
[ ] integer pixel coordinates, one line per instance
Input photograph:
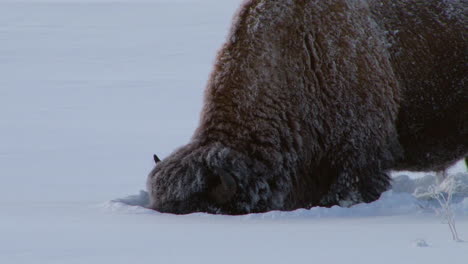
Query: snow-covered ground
(89, 89)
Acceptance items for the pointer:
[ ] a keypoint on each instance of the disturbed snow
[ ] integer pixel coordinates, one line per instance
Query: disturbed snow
(407, 196)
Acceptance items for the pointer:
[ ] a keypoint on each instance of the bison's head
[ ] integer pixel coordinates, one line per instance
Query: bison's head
(205, 181)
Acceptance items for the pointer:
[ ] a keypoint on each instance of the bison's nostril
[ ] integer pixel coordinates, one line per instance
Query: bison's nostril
(225, 189)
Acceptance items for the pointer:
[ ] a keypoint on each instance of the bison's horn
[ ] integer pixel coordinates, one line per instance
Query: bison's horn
(227, 188)
(156, 158)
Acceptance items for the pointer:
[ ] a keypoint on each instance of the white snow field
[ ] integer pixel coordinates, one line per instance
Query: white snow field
(89, 90)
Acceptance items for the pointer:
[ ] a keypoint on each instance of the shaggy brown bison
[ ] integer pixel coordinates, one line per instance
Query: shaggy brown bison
(312, 102)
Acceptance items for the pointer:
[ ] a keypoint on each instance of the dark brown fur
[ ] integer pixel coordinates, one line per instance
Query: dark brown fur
(313, 102)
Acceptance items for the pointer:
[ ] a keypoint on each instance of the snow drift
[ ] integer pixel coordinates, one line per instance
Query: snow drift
(407, 196)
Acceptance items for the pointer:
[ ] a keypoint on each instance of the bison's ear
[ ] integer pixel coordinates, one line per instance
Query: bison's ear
(225, 187)
(156, 158)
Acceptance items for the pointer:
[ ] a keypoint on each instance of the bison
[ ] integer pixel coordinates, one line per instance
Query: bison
(312, 103)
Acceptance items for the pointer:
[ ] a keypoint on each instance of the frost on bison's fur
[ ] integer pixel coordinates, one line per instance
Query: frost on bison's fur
(312, 102)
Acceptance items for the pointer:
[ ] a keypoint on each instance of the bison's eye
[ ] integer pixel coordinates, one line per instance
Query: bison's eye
(222, 187)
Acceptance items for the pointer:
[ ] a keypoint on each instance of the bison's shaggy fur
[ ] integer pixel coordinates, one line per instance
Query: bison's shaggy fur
(312, 102)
